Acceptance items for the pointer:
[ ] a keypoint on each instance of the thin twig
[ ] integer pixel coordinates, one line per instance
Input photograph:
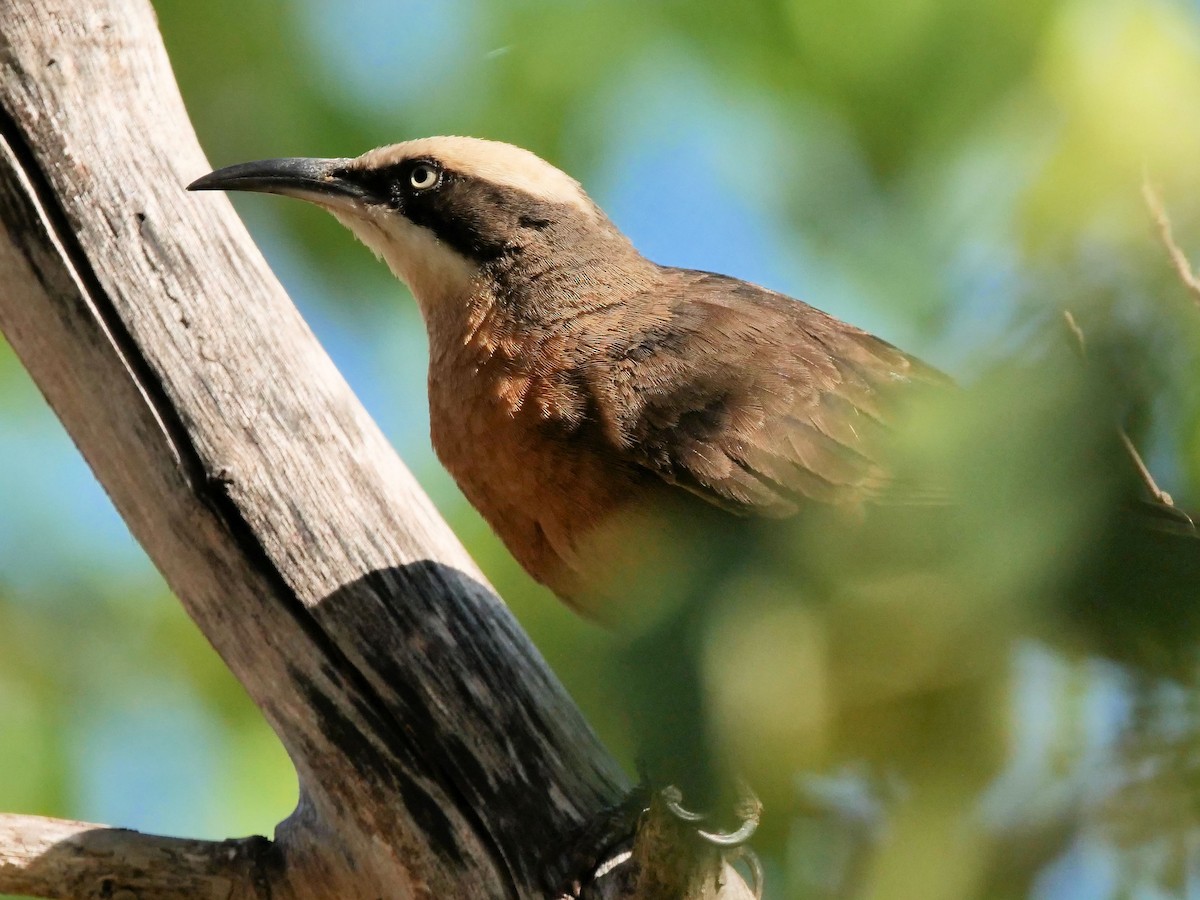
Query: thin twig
(1183, 268)
(1187, 275)
(1144, 472)
(1076, 331)
(1135, 457)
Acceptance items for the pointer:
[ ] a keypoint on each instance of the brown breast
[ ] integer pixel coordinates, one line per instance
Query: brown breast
(504, 436)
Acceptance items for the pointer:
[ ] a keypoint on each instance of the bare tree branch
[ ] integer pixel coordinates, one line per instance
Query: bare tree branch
(1183, 268)
(62, 859)
(1139, 465)
(437, 756)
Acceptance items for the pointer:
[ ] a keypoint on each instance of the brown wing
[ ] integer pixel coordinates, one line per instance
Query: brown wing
(750, 399)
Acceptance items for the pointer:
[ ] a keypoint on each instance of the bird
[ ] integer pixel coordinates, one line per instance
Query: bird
(594, 405)
(577, 388)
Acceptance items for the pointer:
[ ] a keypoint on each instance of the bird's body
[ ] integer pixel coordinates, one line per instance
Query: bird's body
(588, 401)
(574, 384)
(558, 430)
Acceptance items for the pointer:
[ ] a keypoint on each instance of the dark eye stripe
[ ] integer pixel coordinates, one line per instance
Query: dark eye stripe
(392, 184)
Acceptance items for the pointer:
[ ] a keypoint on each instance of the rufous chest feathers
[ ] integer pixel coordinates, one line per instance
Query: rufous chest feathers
(508, 417)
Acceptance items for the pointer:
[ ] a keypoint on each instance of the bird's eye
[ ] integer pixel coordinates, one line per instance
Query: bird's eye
(424, 176)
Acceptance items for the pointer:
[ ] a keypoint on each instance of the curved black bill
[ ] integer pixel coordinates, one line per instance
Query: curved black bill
(310, 179)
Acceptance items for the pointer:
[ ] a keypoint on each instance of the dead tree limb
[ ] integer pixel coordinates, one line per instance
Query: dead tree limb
(437, 756)
(56, 858)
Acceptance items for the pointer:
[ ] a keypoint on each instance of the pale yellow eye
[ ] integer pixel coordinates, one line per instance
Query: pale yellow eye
(423, 177)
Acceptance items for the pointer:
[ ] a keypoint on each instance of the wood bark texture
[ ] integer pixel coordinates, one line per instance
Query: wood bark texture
(56, 858)
(437, 755)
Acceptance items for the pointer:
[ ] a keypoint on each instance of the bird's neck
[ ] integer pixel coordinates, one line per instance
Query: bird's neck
(525, 302)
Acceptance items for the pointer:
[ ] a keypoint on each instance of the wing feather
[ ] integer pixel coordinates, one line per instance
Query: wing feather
(750, 399)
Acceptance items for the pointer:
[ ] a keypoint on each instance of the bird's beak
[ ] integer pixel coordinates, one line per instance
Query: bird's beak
(323, 181)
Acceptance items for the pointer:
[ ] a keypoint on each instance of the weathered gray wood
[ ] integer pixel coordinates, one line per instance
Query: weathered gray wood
(78, 861)
(437, 756)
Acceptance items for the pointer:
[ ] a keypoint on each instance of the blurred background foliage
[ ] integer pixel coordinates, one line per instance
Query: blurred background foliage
(998, 702)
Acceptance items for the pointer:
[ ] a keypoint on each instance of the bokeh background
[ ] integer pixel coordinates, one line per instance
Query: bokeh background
(949, 174)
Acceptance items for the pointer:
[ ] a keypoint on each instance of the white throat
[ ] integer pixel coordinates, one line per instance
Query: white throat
(440, 279)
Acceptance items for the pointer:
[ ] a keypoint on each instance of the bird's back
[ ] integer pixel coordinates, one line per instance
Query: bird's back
(698, 386)
(751, 399)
